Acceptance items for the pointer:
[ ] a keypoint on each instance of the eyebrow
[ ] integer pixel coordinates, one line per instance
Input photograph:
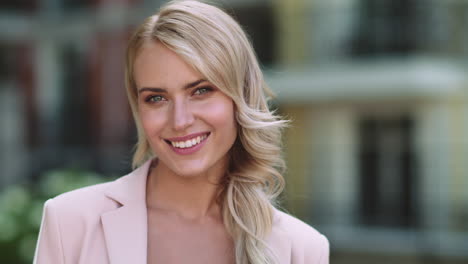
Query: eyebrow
(162, 90)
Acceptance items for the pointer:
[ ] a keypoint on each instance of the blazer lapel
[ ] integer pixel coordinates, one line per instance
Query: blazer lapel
(125, 228)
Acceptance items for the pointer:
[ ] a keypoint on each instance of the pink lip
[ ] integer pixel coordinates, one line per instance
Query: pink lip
(191, 150)
(187, 137)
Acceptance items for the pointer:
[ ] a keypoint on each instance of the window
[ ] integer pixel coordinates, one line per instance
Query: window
(19, 5)
(387, 27)
(258, 21)
(387, 171)
(7, 62)
(74, 121)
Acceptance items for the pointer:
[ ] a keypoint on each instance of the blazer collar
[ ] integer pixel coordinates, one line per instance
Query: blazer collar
(125, 228)
(131, 188)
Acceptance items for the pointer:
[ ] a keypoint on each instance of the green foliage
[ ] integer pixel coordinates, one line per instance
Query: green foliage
(21, 211)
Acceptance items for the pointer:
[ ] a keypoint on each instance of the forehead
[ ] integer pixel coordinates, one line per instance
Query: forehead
(156, 66)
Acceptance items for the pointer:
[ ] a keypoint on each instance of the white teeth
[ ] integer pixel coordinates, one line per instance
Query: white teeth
(188, 143)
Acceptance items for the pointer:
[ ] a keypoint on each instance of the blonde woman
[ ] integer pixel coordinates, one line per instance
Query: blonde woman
(208, 159)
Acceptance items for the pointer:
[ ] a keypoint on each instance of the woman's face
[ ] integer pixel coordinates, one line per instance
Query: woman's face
(188, 122)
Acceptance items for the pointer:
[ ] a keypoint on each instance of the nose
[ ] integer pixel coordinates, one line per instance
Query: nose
(182, 115)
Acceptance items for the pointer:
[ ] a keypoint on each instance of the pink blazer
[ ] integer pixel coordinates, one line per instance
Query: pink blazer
(107, 223)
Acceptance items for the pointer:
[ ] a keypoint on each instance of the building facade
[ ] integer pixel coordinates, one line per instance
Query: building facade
(377, 151)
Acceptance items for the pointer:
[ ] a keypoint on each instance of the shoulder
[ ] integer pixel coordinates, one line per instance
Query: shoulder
(72, 223)
(79, 210)
(307, 245)
(89, 203)
(100, 198)
(67, 220)
(82, 201)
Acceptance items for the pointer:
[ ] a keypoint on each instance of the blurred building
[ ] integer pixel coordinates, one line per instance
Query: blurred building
(377, 91)
(62, 86)
(378, 148)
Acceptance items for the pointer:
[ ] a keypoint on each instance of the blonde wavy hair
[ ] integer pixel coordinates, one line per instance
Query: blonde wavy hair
(214, 44)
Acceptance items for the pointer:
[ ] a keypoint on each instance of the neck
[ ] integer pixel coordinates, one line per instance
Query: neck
(191, 197)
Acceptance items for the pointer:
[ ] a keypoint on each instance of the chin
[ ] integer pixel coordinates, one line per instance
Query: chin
(198, 167)
(189, 170)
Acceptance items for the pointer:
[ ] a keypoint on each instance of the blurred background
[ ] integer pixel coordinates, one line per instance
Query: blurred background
(377, 91)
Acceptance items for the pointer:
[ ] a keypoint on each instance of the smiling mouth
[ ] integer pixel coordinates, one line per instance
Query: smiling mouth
(188, 143)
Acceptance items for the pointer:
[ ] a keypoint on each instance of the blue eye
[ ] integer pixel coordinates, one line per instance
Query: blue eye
(154, 98)
(202, 90)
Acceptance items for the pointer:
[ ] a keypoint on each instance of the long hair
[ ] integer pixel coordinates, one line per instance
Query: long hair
(214, 44)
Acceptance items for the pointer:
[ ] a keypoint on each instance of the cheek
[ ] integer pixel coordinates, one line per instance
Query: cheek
(152, 121)
(221, 116)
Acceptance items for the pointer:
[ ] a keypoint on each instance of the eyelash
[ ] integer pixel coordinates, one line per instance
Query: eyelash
(206, 88)
(149, 99)
(197, 92)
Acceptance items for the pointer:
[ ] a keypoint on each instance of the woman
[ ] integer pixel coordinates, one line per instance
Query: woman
(208, 162)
